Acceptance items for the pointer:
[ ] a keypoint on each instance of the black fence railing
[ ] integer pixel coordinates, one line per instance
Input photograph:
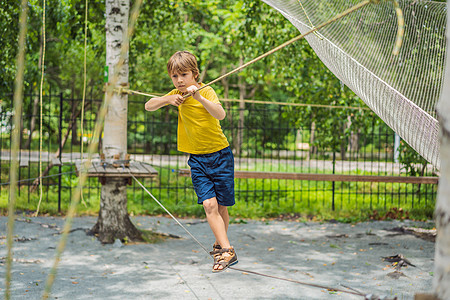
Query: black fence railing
(360, 156)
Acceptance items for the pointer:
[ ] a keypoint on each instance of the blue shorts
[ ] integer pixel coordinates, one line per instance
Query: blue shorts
(213, 176)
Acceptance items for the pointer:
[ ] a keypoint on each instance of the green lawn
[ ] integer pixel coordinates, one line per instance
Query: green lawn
(255, 199)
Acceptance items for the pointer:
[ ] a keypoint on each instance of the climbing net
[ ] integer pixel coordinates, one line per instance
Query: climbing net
(401, 89)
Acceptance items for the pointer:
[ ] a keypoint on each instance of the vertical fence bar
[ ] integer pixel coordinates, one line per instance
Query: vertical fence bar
(29, 150)
(333, 183)
(19, 158)
(1, 143)
(60, 154)
(49, 149)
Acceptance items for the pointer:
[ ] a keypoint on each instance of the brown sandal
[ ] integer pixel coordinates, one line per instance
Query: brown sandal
(216, 247)
(224, 260)
(216, 253)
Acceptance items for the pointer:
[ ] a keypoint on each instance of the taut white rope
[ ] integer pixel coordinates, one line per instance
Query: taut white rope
(168, 212)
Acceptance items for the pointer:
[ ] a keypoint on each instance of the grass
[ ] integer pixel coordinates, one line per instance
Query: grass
(314, 205)
(255, 199)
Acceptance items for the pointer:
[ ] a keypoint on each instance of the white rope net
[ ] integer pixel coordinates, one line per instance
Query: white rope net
(402, 90)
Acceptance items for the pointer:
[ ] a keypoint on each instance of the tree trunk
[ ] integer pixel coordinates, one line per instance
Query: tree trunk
(442, 212)
(32, 122)
(113, 221)
(36, 101)
(441, 280)
(352, 148)
(344, 144)
(75, 140)
(241, 120)
(312, 148)
(205, 69)
(226, 86)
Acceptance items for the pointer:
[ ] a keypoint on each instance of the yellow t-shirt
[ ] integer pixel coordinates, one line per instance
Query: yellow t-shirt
(198, 131)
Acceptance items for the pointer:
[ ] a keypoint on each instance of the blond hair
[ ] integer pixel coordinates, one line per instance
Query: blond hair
(183, 61)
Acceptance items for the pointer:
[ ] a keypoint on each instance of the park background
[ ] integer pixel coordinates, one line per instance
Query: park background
(321, 128)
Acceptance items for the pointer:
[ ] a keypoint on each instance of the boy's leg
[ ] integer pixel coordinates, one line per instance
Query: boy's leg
(223, 211)
(218, 220)
(218, 224)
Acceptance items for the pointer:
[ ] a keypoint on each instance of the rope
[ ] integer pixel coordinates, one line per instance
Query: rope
(400, 28)
(295, 104)
(92, 147)
(32, 179)
(243, 270)
(175, 219)
(312, 26)
(267, 102)
(299, 282)
(41, 107)
(273, 102)
(84, 86)
(285, 44)
(131, 92)
(15, 141)
(399, 39)
(84, 76)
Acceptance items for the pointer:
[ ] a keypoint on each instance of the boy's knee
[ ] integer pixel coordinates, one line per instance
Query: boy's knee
(222, 208)
(210, 204)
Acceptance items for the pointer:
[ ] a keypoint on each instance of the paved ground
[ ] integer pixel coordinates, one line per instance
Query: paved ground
(336, 255)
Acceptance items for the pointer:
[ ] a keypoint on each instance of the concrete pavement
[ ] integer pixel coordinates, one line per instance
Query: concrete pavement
(337, 255)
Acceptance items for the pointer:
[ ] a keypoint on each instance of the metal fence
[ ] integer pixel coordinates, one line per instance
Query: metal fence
(343, 166)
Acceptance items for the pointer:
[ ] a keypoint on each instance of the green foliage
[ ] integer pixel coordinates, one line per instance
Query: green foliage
(9, 16)
(222, 34)
(412, 162)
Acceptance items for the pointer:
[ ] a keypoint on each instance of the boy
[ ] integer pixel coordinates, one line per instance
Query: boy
(210, 157)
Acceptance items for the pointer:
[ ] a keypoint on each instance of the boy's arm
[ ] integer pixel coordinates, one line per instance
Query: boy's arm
(158, 102)
(215, 109)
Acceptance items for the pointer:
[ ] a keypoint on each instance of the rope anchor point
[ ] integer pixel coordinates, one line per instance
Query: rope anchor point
(119, 89)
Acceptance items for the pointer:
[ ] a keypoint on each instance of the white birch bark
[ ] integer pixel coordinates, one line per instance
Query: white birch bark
(115, 131)
(113, 221)
(441, 282)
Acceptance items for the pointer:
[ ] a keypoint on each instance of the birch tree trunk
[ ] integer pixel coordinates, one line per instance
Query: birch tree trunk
(441, 283)
(113, 221)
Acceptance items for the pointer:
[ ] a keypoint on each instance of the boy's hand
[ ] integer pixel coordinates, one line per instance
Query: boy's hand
(175, 100)
(193, 91)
